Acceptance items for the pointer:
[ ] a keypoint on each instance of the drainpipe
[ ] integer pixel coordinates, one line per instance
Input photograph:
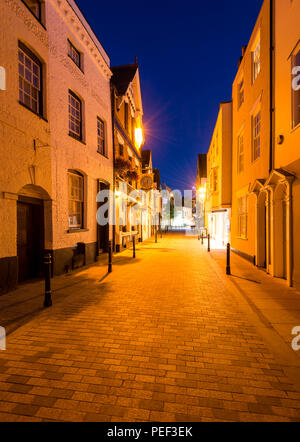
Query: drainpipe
(291, 234)
(114, 170)
(272, 83)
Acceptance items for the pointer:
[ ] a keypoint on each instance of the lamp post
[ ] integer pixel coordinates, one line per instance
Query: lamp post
(109, 256)
(228, 269)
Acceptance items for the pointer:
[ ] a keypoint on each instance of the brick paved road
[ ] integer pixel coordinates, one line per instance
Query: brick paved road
(161, 339)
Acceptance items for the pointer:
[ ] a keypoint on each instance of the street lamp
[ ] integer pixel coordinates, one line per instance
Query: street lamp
(139, 138)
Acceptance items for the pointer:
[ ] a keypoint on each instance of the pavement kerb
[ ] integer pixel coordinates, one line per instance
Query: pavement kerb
(283, 353)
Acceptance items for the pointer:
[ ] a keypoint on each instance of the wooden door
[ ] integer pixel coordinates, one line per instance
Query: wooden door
(30, 222)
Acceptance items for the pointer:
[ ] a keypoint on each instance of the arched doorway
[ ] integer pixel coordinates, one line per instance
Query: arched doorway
(31, 232)
(280, 231)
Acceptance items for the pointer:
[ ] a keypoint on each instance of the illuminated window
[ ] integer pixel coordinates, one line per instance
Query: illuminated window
(101, 137)
(296, 89)
(241, 93)
(76, 200)
(75, 116)
(256, 127)
(35, 7)
(256, 66)
(74, 54)
(241, 154)
(243, 217)
(30, 80)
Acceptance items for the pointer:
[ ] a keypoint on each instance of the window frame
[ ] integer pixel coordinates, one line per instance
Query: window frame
(256, 136)
(242, 213)
(215, 180)
(72, 47)
(240, 154)
(71, 133)
(39, 17)
(81, 201)
(241, 92)
(40, 91)
(256, 61)
(121, 150)
(102, 122)
(126, 116)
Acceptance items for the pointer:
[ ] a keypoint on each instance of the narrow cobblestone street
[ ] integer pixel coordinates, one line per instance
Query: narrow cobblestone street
(165, 337)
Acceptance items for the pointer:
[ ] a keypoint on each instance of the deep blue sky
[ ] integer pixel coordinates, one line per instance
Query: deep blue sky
(188, 53)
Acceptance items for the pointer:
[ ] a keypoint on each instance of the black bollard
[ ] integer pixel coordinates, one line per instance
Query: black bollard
(208, 242)
(202, 239)
(156, 235)
(228, 269)
(48, 293)
(109, 256)
(161, 233)
(133, 241)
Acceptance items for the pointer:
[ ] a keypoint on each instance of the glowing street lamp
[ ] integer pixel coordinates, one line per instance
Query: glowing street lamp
(139, 138)
(202, 193)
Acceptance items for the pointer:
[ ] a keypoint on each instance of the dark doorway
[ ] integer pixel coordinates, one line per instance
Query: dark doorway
(30, 239)
(102, 231)
(284, 238)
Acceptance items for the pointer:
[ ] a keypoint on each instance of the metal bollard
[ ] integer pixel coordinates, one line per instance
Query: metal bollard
(161, 233)
(133, 241)
(228, 269)
(208, 242)
(109, 256)
(156, 235)
(48, 293)
(202, 239)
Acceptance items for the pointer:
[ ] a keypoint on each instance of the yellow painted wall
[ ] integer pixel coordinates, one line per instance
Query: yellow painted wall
(219, 161)
(256, 95)
(287, 155)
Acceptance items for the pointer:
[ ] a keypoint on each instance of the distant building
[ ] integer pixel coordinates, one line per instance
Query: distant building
(128, 139)
(219, 170)
(201, 185)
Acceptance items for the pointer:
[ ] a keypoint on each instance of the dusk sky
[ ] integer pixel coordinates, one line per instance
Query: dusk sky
(188, 54)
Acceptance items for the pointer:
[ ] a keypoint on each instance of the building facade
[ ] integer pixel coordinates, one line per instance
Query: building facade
(283, 184)
(201, 185)
(251, 141)
(219, 172)
(128, 141)
(56, 139)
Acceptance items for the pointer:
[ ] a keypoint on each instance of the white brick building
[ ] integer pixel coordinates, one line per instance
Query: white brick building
(55, 139)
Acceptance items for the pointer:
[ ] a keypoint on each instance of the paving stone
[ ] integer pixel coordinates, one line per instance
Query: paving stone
(177, 347)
